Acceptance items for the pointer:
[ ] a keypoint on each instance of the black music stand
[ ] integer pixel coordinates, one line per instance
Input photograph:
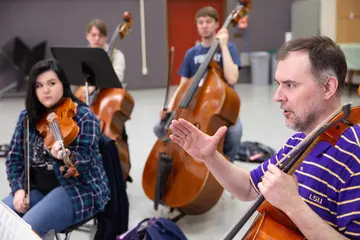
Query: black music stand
(87, 64)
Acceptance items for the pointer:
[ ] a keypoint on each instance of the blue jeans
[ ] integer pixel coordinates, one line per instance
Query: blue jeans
(53, 211)
(231, 142)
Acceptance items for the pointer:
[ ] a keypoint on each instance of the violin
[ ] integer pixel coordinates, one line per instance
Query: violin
(271, 223)
(59, 125)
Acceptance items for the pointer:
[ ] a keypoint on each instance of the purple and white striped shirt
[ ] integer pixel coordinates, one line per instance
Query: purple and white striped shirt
(329, 179)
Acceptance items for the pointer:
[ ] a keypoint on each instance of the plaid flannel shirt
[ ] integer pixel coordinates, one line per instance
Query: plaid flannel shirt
(89, 192)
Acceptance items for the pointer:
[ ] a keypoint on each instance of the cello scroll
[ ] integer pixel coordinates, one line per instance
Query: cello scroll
(121, 31)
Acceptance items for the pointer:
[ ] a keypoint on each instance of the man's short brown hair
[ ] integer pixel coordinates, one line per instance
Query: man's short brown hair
(326, 58)
(99, 24)
(207, 12)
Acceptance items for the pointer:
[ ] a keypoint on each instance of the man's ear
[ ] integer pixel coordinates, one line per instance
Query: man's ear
(330, 87)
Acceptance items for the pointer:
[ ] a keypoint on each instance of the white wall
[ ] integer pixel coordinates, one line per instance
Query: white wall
(328, 18)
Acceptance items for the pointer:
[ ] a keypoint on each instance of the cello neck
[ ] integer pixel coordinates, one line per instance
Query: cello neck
(113, 41)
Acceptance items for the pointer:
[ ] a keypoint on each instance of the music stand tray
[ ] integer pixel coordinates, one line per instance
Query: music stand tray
(82, 64)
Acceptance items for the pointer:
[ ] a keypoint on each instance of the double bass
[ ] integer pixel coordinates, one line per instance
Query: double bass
(171, 177)
(113, 106)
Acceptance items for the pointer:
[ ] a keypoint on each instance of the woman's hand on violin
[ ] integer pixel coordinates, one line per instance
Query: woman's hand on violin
(223, 36)
(196, 143)
(280, 189)
(20, 203)
(56, 151)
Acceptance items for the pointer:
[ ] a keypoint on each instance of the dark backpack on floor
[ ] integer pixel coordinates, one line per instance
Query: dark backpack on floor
(154, 229)
(254, 152)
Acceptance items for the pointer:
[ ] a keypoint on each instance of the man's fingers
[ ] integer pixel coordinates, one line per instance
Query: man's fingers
(261, 187)
(188, 127)
(177, 140)
(274, 169)
(220, 133)
(295, 179)
(179, 131)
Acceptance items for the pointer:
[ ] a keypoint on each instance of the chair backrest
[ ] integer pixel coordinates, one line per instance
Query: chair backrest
(115, 217)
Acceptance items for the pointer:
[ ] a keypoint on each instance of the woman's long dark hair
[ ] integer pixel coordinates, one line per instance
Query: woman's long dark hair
(34, 108)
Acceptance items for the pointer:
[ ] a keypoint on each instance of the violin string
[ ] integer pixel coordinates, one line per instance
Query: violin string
(59, 137)
(53, 129)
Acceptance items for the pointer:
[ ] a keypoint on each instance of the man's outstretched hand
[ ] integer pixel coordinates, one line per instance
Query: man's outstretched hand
(196, 143)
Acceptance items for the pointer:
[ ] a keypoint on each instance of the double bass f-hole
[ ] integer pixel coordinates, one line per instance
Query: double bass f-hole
(197, 125)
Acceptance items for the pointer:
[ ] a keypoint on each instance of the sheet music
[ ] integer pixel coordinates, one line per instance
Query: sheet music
(13, 227)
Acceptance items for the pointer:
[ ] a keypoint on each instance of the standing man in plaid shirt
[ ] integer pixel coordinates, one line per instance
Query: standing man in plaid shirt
(56, 202)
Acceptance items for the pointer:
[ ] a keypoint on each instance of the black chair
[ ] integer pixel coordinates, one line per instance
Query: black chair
(81, 226)
(114, 219)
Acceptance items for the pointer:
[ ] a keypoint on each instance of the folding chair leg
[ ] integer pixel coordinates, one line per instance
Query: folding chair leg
(67, 236)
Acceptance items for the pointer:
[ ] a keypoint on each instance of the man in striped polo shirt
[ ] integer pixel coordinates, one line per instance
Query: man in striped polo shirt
(323, 196)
